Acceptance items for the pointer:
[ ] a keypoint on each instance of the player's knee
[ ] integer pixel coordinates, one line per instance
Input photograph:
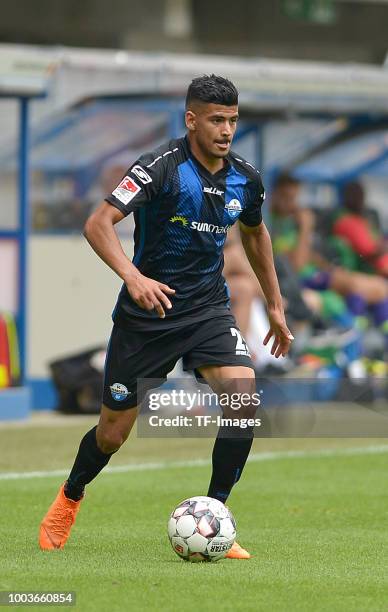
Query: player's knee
(110, 440)
(241, 399)
(240, 386)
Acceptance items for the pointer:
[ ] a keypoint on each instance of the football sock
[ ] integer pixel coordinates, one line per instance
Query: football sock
(88, 463)
(228, 458)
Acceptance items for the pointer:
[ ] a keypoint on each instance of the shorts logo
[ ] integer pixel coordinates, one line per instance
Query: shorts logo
(126, 191)
(233, 207)
(119, 392)
(141, 174)
(179, 219)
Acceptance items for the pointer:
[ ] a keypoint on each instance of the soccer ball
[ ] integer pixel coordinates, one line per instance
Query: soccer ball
(201, 529)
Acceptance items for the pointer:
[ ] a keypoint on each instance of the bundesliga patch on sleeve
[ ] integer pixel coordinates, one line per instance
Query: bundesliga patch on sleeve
(126, 191)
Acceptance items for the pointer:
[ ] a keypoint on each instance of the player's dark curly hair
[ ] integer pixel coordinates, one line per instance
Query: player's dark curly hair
(212, 89)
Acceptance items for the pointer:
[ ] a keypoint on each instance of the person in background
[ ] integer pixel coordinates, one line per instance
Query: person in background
(353, 226)
(293, 229)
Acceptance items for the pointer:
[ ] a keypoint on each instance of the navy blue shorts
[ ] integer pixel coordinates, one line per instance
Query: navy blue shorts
(152, 354)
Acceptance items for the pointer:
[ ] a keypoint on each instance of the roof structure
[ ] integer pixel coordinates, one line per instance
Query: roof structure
(24, 74)
(265, 85)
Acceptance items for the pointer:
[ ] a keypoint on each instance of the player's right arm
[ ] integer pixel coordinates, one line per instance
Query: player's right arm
(102, 237)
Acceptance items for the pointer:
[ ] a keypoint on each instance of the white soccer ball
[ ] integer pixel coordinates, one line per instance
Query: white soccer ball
(201, 529)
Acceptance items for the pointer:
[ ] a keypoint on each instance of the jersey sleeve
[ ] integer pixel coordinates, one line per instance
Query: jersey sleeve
(251, 215)
(142, 183)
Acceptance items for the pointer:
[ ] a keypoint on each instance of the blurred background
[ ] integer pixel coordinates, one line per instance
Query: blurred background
(85, 88)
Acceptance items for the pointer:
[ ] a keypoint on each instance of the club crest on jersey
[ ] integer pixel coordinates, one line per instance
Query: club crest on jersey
(233, 208)
(126, 191)
(119, 392)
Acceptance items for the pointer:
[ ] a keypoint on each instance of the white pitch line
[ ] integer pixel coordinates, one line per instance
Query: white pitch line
(256, 457)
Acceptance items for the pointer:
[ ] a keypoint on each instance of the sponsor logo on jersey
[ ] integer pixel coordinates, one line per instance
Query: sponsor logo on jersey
(141, 174)
(213, 191)
(126, 191)
(200, 226)
(233, 207)
(119, 392)
(209, 227)
(178, 219)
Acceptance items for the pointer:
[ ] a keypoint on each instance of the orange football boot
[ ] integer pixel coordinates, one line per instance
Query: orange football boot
(237, 552)
(56, 525)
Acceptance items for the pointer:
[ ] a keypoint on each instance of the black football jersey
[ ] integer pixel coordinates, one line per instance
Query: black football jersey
(182, 216)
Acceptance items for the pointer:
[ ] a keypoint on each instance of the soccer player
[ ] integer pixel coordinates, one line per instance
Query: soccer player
(174, 302)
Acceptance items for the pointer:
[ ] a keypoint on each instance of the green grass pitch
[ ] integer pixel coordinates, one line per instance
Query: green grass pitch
(316, 524)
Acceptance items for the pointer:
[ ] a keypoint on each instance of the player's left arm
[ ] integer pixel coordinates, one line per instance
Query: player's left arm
(258, 248)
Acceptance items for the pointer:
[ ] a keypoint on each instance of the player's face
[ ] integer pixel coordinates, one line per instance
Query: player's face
(212, 127)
